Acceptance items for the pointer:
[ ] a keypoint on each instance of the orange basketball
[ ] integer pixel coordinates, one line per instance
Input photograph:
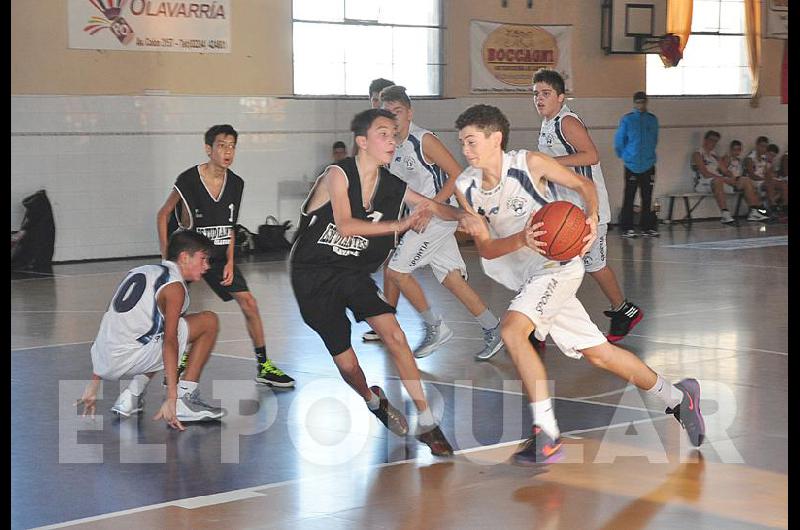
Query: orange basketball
(566, 227)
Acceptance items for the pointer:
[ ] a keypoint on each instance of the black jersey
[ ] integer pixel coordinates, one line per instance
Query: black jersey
(214, 218)
(319, 243)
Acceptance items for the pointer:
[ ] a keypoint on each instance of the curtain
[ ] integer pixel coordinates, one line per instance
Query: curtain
(752, 19)
(679, 20)
(785, 74)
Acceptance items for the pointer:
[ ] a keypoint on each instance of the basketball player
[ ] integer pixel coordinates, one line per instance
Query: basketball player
(759, 169)
(564, 137)
(510, 187)
(206, 198)
(375, 88)
(350, 222)
(145, 328)
(425, 164)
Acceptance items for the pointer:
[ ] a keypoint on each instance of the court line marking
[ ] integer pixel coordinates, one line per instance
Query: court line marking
(253, 491)
(741, 350)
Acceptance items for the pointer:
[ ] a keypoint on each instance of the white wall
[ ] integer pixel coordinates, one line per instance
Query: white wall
(108, 162)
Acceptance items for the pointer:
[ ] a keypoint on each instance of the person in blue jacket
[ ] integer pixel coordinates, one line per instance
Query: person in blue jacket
(635, 143)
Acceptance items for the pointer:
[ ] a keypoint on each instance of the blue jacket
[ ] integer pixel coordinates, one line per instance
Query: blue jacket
(636, 139)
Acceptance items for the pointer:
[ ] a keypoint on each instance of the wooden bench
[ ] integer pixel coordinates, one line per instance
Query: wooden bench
(698, 198)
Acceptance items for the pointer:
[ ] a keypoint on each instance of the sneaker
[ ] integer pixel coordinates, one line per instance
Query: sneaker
(371, 336)
(623, 321)
(493, 343)
(755, 215)
(181, 368)
(435, 336)
(127, 404)
(539, 448)
(191, 408)
(630, 234)
(726, 218)
(539, 345)
(650, 233)
(391, 418)
(435, 439)
(269, 374)
(688, 411)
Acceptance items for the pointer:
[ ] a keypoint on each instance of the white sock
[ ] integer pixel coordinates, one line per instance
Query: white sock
(543, 417)
(429, 317)
(487, 320)
(374, 402)
(186, 387)
(139, 384)
(670, 395)
(425, 419)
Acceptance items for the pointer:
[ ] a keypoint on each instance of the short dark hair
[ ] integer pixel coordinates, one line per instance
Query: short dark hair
(640, 96)
(772, 148)
(215, 130)
(711, 133)
(363, 120)
(487, 118)
(735, 143)
(339, 145)
(187, 241)
(762, 140)
(395, 94)
(551, 77)
(379, 84)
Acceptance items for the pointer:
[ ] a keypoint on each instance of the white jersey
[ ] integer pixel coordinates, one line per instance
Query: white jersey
(409, 164)
(553, 142)
(736, 166)
(133, 318)
(711, 161)
(508, 207)
(760, 163)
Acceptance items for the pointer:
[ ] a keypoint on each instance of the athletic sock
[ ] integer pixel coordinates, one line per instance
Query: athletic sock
(261, 354)
(425, 419)
(139, 384)
(186, 387)
(670, 395)
(429, 317)
(620, 306)
(487, 320)
(374, 402)
(543, 417)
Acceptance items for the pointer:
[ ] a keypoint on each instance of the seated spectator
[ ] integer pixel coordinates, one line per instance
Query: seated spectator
(711, 178)
(758, 167)
(780, 195)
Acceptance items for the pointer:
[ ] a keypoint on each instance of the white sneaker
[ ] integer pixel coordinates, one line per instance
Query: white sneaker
(435, 336)
(127, 404)
(755, 215)
(191, 408)
(370, 336)
(726, 218)
(493, 344)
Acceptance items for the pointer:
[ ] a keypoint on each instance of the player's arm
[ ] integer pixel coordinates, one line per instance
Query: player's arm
(170, 302)
(700, 165)
(89, 397)
(162, 219)
(749, 169)
(434, 150)
(335, 182)
(621, 137)
(585, 151)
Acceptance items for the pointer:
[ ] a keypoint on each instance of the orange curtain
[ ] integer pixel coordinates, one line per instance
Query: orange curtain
(679, 19)
(752, 20)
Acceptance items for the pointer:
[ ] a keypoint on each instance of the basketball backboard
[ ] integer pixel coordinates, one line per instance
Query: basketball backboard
(626, 25)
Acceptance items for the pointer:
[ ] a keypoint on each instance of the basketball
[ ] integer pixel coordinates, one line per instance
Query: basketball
(565, 224)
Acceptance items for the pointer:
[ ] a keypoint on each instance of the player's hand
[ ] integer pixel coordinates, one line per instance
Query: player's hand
(419, 218)
(533, 231)
(227, 274)
(168, 413)
(590, 239)
(89, 399)
(473, 225)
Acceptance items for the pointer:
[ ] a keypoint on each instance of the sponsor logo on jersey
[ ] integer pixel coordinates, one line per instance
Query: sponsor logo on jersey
(198, 214)
(517, 205)
(220, 235)
(419, 254)
(548, 294)
(343, 246)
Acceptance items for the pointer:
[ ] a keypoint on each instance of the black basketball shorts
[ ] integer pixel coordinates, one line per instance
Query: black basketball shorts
(213, 278)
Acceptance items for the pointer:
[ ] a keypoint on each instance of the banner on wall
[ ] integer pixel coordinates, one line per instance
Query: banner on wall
(777, 19)
(504, 57)
(147, 25)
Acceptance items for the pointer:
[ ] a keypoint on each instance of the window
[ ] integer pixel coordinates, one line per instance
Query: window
(342, 45)
(715, 59)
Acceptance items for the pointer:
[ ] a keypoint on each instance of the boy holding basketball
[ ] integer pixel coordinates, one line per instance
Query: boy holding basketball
(564, 137)
(509, 187)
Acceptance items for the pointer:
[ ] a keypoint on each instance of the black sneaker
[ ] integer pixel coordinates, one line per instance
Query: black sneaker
(539, 345)
(269, 374)
(650, 233)
(688, 411)
(630, 234)
(391, 418)
(623, 321)
(435, 439)
(539, 448)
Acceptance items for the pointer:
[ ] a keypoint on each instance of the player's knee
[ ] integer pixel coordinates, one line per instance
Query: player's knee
(348, 365)
(211, 321)
(394, 337)
(512, 335)
(395, 276)
(598, 355)
(248, 304)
